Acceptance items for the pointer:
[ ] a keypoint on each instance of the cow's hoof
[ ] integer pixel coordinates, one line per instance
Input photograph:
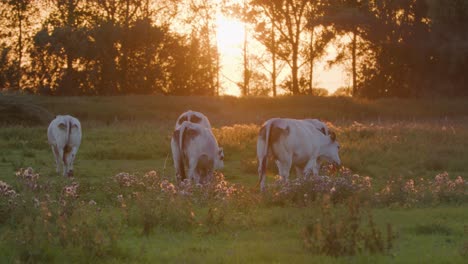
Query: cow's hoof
(70, 173)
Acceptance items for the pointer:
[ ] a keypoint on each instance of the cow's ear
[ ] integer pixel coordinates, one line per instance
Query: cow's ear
(332, 136)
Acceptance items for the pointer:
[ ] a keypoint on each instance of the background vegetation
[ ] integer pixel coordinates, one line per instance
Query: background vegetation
(402, 48)
(117, 210)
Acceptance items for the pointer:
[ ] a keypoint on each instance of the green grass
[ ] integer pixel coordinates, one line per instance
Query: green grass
(408, 138)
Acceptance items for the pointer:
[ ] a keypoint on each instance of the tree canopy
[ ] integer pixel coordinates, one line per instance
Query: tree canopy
(403, 48)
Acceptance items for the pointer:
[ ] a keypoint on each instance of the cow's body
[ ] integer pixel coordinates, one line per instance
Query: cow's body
(198, 150)
(318, 125)
(64, 136)
(295, 143)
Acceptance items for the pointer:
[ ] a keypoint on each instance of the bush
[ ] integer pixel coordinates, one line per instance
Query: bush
(339, 185)
(335, 234)
(409, 192)
(47, 219)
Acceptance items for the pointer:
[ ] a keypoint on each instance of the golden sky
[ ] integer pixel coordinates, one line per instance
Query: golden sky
(230, 37)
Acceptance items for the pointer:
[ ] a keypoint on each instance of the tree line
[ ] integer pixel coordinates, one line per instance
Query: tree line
(390, 48)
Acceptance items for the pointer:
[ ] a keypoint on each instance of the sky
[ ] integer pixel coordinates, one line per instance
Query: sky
(230, 37)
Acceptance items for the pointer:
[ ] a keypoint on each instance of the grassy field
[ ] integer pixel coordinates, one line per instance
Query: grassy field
(392, 141)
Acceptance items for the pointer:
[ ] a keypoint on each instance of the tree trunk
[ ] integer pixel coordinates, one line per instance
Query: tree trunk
(20, 43)
(295, 69)
(311, 73)
(124, 76)
(353, 47)
(245, 87)
(273, 57)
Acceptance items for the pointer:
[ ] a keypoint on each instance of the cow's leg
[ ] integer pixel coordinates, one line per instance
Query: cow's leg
(63, 160)
(192, 171)
(261, 175)
(311, 168)
(70, 158)
(57, 158)
(178, 161)
(284, 167)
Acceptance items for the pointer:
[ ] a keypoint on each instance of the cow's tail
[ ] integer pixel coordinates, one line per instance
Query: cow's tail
(69, 132)
(180, 144)
(262, 152)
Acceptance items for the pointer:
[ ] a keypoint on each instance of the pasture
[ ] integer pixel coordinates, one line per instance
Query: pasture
(123, 204)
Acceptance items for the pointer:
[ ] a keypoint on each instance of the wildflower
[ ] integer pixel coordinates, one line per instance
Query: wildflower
(71, 190)
(6, 190)
(459, 181)
(167, 186)
(92, 203)
(409, 186)
(125, 179)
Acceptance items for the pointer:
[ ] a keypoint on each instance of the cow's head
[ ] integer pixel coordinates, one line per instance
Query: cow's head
(330, 150)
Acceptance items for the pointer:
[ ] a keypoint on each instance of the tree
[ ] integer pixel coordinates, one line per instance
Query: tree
(288, 17)
(203, 26)
(400, 43)
(449, 41)
(353, 17)
(20, 13)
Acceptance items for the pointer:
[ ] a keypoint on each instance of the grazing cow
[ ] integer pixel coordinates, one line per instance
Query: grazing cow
(193, 117)
(294, 143)
(64, 136)
(198, 150)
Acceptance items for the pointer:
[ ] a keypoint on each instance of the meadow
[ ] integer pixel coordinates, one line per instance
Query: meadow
(397, 199)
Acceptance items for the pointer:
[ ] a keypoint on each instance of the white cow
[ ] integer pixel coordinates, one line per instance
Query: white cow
(189, 116)
(197, 149)
(64, 136)
(296, 143)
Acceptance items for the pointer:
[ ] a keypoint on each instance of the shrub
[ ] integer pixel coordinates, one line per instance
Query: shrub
(52, 218)
(335, 234)
(340, 185)
(409, 192)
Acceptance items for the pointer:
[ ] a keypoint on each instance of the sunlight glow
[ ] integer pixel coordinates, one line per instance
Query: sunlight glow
(230, 39)
(230, 36)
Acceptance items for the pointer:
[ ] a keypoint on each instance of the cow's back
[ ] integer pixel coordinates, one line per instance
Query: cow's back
(64, 131)
(193, 117)
(300, 140)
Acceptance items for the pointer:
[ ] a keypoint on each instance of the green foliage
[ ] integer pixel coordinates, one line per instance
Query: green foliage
(14, 111)
(230, 220)
(345, 234)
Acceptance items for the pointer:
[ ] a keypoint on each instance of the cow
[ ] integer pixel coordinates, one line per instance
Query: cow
(197, 149)
(64, 137)
(296, 143)
(193, 117)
